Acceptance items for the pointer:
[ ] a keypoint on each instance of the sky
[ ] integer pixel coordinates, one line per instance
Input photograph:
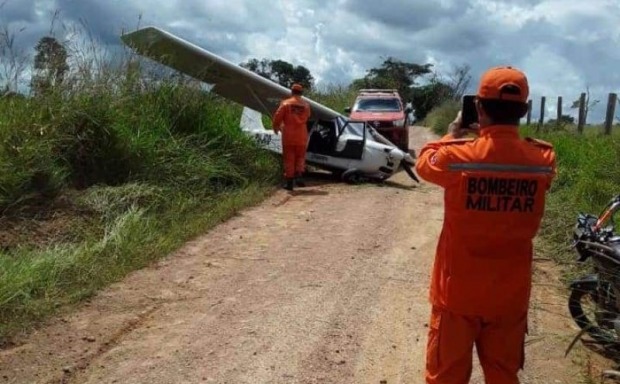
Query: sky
(564, 46)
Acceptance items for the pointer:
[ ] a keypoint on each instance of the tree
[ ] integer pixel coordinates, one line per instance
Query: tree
(440, 88)
(588, 104)
(282, 72)
(262, 67)
(394, 73)
(303, 76)
(567, 119)
(402, 76)
(427, 97)
(50, 65)
(564, 120)
(458, 81)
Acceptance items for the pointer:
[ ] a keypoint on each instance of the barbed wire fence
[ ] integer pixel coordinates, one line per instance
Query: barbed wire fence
(583, 104)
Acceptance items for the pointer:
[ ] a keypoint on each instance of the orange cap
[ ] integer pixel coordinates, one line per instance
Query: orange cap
(297, 87)
(505, 83)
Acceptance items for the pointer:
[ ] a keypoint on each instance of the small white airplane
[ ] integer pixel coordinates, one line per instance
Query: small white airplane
(354, 150)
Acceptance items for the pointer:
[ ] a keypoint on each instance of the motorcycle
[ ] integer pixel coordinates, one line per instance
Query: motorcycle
(594, 301)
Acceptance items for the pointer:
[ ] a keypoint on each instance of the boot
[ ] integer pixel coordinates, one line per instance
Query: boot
(299, 182)
(289, 184)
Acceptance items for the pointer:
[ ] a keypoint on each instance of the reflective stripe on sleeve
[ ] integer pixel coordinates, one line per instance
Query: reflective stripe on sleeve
(499, 167)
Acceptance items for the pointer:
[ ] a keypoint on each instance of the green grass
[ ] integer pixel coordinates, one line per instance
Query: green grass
(144, 165)
(335, 97)
(439, 118)
(36, 283)
(588, 177)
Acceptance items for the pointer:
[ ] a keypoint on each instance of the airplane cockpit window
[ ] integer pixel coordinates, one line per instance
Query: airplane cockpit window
(353, 128)
(351, 140)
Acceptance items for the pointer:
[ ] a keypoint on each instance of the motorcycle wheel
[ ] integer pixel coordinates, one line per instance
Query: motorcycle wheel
(587, 320)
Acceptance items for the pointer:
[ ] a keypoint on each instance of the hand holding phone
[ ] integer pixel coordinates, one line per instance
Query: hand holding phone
(469, 114)
(466, 120)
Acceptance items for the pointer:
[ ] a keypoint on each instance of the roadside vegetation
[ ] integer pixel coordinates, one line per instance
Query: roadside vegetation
(336, 97)
(588, 177)
(106, 166)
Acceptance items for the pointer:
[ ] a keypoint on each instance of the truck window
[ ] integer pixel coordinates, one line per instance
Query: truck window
(377, 105)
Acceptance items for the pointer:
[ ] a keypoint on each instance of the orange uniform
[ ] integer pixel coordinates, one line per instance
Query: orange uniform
(293, 113)
(494, 195)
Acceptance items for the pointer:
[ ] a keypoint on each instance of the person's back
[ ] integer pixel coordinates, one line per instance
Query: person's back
(493, 211)
(294, 116)
(291, 117)
(494, 187)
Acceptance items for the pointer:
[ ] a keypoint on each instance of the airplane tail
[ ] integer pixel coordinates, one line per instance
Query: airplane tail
(251, 121)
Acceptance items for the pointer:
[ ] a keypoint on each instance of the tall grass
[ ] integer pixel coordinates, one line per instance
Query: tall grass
(440, 117)
(151, 159)
(588, 177)
(337, 97)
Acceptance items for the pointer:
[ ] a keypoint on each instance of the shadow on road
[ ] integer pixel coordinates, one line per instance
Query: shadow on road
(316, 179)
(308, 192)
(394, 184)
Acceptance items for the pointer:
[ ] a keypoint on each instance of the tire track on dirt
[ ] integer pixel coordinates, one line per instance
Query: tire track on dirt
(70, 373)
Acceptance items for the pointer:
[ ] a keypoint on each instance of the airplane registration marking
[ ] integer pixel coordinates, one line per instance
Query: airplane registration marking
(263, 139)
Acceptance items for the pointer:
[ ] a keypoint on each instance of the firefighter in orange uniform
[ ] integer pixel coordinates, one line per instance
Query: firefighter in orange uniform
(292, 115)
(494, 194)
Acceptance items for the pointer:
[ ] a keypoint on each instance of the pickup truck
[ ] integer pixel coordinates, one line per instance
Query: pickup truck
(384, 109)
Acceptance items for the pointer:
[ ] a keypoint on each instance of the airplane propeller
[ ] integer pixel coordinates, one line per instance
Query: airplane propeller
(407, 167)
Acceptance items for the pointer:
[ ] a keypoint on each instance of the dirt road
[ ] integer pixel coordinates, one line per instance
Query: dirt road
(326, 286)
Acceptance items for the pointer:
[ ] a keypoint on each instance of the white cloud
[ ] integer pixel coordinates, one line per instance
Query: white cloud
(563, 45)
(558, 77)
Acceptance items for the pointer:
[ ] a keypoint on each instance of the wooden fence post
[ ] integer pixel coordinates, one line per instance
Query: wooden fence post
(581, 121)
(559, 120)
(542, 111)
(611, 112)
(529, 112)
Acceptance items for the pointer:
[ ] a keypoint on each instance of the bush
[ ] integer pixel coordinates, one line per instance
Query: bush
(439, 118)
(92, 139)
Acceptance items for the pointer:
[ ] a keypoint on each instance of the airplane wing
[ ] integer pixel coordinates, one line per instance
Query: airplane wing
(229, 80)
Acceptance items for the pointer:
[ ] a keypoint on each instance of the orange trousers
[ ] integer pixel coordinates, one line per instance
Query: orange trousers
(499, 342)
(294, 157)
